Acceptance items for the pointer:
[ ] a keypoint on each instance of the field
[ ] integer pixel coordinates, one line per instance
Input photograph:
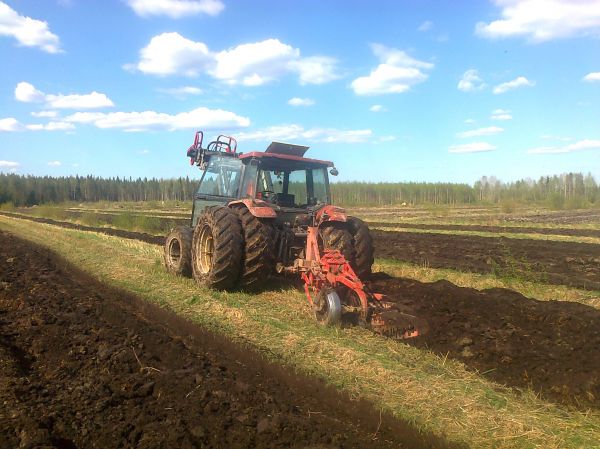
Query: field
(509, 302)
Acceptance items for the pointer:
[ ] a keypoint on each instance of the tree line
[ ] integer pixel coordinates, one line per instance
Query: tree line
(569, 189)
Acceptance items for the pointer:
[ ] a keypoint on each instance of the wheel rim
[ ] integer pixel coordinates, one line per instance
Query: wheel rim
(205, 250)
(328, 307)
(174, 251)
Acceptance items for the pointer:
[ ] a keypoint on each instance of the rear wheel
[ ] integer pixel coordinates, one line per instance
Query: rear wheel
(178, 251)
(362, 243)
(217, 248)
(335, 235)
(258, 257)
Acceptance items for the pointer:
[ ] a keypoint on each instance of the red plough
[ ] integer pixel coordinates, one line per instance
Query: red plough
(335, 292)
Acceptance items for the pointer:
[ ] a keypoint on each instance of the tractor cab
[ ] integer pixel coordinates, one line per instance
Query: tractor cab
(280, 176)
(286, 180)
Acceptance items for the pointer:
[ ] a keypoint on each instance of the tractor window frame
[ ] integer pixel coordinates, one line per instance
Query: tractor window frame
(312, 195)
(229, 187)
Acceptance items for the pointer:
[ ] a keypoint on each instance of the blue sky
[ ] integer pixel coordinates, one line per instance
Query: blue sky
(390, 90)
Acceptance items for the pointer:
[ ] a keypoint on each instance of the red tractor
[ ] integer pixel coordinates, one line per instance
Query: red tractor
(264, 213)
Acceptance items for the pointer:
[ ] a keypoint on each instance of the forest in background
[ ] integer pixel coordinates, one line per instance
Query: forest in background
(568, 190)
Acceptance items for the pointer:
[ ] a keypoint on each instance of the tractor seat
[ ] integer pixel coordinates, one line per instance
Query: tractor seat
(285, 199)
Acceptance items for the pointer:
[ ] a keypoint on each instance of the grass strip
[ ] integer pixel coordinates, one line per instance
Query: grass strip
(432, 393)
(521, 236)
(536, 290)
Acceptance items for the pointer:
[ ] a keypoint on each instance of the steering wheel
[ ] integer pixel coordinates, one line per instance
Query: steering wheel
(267, 194)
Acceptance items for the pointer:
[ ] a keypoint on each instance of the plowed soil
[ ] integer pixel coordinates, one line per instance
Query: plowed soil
(86, 366)
(568, 263)
(552, 347)
(494, 229)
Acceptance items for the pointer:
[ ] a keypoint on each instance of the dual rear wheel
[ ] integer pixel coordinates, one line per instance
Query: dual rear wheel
(231, 248)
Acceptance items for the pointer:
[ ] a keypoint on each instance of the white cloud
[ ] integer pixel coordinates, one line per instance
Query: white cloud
(252, 64)
(520, 81)
(301, 101)
(315, 69)
(488, 131)
(299, 133)
(27, 31)
(501, 114)
(10, 124)
(471, 81)
(397, 73)
(426, 26)
(586, 144)
(51, 126)
(44, 114)
(27, 93)
(543, 20)
(469, 121)
(9, 164)
(200, 118)
(171, 53)
(92, 100)
(377, 108)
(387, 138)
(474, 147)
(54, 163)
(176, 8)
(182, 91)
(593, 76)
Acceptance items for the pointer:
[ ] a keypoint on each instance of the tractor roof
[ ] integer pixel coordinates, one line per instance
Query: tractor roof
(286, 152)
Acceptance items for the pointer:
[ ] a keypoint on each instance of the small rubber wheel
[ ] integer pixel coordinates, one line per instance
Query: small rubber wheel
(178, 251)
(328, 307)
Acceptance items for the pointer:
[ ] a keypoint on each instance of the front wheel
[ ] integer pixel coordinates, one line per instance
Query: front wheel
(362, 242)
(335, 236)
(178, 251)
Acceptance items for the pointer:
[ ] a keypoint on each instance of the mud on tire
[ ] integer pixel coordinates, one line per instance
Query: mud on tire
(363, 247)
(336, 235)
(217, 248)
(178, 251)
(258, 250)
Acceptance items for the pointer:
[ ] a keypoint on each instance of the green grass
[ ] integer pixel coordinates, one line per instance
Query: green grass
(502, 279)
(511, 235)
(432, 393)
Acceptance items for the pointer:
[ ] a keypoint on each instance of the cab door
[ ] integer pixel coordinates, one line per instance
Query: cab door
(219, 184)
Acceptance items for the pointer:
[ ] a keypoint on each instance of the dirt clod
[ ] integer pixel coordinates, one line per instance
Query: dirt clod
(548, 346)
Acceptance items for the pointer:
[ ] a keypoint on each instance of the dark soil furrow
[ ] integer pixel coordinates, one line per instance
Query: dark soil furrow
(86, 366)
(493, 229)
(552, 347)
(567, 263)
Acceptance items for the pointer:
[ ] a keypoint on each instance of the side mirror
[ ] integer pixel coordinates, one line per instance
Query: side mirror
(334, 171)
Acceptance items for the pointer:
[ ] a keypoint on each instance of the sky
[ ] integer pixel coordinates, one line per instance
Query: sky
(390, 90)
